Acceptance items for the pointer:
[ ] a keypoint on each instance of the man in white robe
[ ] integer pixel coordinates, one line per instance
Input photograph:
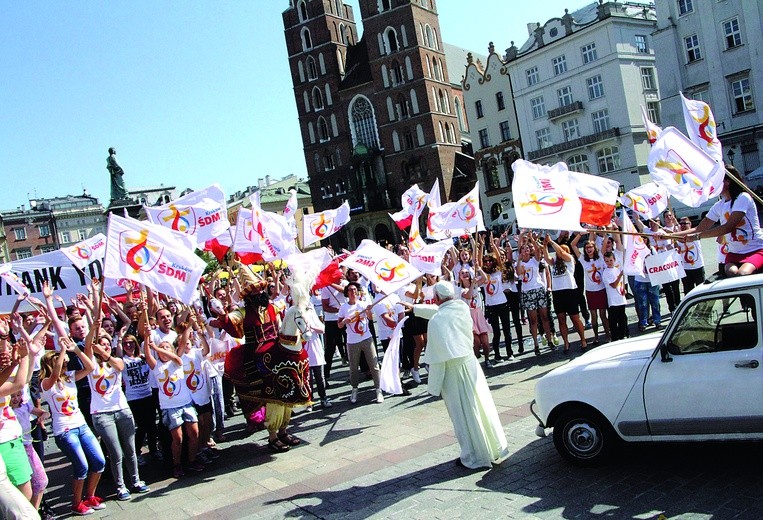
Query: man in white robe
(455, 374)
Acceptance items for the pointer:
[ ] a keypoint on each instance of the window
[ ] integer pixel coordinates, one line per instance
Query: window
(317, 99)
(717, 324)
(532, 76)
(20, 233)
(538, 107)
(363, 123)
(302, 9)
(595, 87)
(23, 253)
(571, 129)
(653, 112)
(312, 72)
(484, 139)
(693, 52)
(65, 237)
(647, 78)
(608, 159)
(741, 94)
(505, 131)
(641, 45)
(82, 234)
(478, 108)
(492, 179)
(326, 191)
(578, 163)
(600, 120)
(408, 140)
(589, 53)
(565, 96)
(341, 187)
(560, 65)
(702, 95)
(307, 42)
(543, 136)
(328, 161)
(685, 7)
(44, 230)
(732, 33)
(47, 249)
(499, 100)
(323, 130)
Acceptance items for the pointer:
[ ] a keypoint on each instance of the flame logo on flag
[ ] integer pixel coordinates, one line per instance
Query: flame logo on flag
(177, 218)
(682, 174)
(321, 227)
(388, 272)
(468, 212)
(140, 255)
(636, 203)
(706, 127)
(82, 251)
(544, 203)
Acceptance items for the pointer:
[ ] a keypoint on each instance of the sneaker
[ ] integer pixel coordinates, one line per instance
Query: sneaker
(588, 325)
(211, 454)
(94, 502)
(354, 396)
(406, 373)
(488, 364)
(309, 408)
(82, 509)
(142, 460)
(544, 341)
(415, 375)
(510, 358)
(326, 403)
(196, 465)
(203, 458)
(555, 341)
(123, 494)
(497, 358)
(140, 487)
(379, 396)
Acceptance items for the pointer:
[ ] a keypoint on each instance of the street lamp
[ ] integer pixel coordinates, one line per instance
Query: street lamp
(730, 154)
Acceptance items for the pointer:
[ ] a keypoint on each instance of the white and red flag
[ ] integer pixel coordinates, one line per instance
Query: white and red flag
(318, 226)
(652, 130)
(635, 249)
(290, 212)
(461, 216)
(273, 233)
(598, 197)
(12, 280)
(245, 243)
(700, 127)
(153, 255)
(433, 203)
(82, 253)
(684, 169)
(648, 200)
(202, 214)
(544, 197)
(415, 240)
(411, 201)
(221, 244)
(380, 266)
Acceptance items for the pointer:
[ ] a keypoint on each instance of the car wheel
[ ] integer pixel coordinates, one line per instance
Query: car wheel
(583, 436)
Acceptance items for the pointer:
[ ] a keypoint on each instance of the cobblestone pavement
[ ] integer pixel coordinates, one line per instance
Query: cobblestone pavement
(395, 460)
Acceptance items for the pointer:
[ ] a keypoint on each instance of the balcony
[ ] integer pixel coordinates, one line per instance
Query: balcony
(575, 106)
(575, 143)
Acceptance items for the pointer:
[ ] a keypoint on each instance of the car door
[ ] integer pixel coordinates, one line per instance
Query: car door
(713, 387)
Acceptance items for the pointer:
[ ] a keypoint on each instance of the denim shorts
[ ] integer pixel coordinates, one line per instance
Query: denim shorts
(82, 449)
(175, 417)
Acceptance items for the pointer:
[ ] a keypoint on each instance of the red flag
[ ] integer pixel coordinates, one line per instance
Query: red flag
(249, 258)
(331, 274)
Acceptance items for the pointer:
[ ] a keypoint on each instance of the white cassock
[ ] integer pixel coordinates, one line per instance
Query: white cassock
(456, 374)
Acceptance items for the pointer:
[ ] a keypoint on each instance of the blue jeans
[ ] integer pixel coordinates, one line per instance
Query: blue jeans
(647, 295)
(82, 449)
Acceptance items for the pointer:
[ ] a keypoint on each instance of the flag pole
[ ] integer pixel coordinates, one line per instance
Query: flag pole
(744, 187)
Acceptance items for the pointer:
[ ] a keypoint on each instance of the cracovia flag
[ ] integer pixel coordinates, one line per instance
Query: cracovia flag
(380, 266)
(82, 253)
(648, 200)
(544, 197)
(635, 249)
(202, 214)
(687, 172)
(597, 196)
(700, 127)
(154, 256)
(245, 244)
(652, 131)
(11, 280)
(324, 224)
(290, 211)
(412, 200)
(464, 214)
(273, 232)
(429, 258)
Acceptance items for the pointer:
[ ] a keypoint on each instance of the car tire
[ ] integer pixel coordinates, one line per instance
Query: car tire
(584, 437)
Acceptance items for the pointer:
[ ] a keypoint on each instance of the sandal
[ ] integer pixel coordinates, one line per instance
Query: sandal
(289, 440)
(277, 446)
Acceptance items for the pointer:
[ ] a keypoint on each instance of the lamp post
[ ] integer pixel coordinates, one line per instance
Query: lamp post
(730, 154)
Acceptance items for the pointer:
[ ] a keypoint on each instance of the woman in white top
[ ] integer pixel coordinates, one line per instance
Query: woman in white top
(533, 287)
(564, 292)
(595, 292)
(471, 295)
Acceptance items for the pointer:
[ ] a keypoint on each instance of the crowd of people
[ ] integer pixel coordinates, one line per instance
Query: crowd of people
(148, 378)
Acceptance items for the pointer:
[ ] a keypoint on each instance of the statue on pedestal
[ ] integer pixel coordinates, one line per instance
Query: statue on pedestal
(118, 190)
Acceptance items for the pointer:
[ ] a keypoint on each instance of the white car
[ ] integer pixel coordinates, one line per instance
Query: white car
(699, 380)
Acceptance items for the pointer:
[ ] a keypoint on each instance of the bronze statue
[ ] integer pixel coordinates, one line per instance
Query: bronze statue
(118, 190)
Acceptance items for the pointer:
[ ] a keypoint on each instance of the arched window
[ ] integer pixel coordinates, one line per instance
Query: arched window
(340, 61)
(322, 63)
(328, 95)
(384, 5)
(311, 132)
(341, 187)
(414, 102)
(317, 99)
(490, 169)
(395, 141)
(397, 74)
(459, 113)
(402, 107)
(328, 161)
(444, 102)
(326, 190)
(301, 71)
(342, 33)
(307, 42)
(363, 123)
(302, 10)
(428, 36)
(434, 40)
(390, 109)
(334, 128)
(436, 69)
(390, 40)
(323, 129)
(312, 72)
(306, 99)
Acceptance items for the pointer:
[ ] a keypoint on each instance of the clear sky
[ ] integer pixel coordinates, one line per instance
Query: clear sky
(188, 92)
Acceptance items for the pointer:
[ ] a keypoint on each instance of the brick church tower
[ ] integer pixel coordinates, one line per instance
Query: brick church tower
(377, 114)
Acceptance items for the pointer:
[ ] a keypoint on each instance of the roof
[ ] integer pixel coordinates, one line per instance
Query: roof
(455, 59)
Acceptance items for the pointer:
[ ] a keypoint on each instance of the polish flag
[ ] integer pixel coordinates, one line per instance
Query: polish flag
(412, 200)
(598, 197)
(220, 244)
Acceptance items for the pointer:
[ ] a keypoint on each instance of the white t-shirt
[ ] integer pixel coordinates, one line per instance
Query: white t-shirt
(427, 294)
(218, 351)
(747, 237)
(335, 298)
(9, 425)
(64, 408)
(615, 295)
(173, 392)
(357, 331)
(475, 300)
(157, 336)
(106, 385)
(135, 377)
(385, 305)
(561, 281)
(592, 270)
(196, 377)
(530, 274)
(691, 254)
(494, 289)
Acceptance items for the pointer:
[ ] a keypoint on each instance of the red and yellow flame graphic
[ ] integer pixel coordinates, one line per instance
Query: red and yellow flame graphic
(103, 383)
(321, 227)
(169, 385)
(81, 251)
(68, 404)
(544, 203)
(595, 274)
(139, 255)
(388, 272)
(706, 127)
(193, 381)
(636, 203)
(682, 174)
(177, 216)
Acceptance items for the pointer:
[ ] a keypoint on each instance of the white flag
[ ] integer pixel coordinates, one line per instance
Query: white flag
(380, 266)
(202, 214)
(464, 214)
(244, 239)
(389, 375)
(544, 197)
(154, 256)
(648, 200)
(84, 252)
(415, 241)
(324, 224)
(273, 232)
(652, 131)
(635, 249)
(290, 211)
(700, 127)
(433, 202)
(429, 258)
(11, 280)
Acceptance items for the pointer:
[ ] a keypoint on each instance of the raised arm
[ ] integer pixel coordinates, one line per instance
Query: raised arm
(574, 245)
(58, 325)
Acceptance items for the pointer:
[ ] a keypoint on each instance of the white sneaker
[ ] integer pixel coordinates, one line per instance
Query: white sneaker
(510, 358)
(544, 341)
(555, 339)
(379, 396)
(415, 375)
(354, 396)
